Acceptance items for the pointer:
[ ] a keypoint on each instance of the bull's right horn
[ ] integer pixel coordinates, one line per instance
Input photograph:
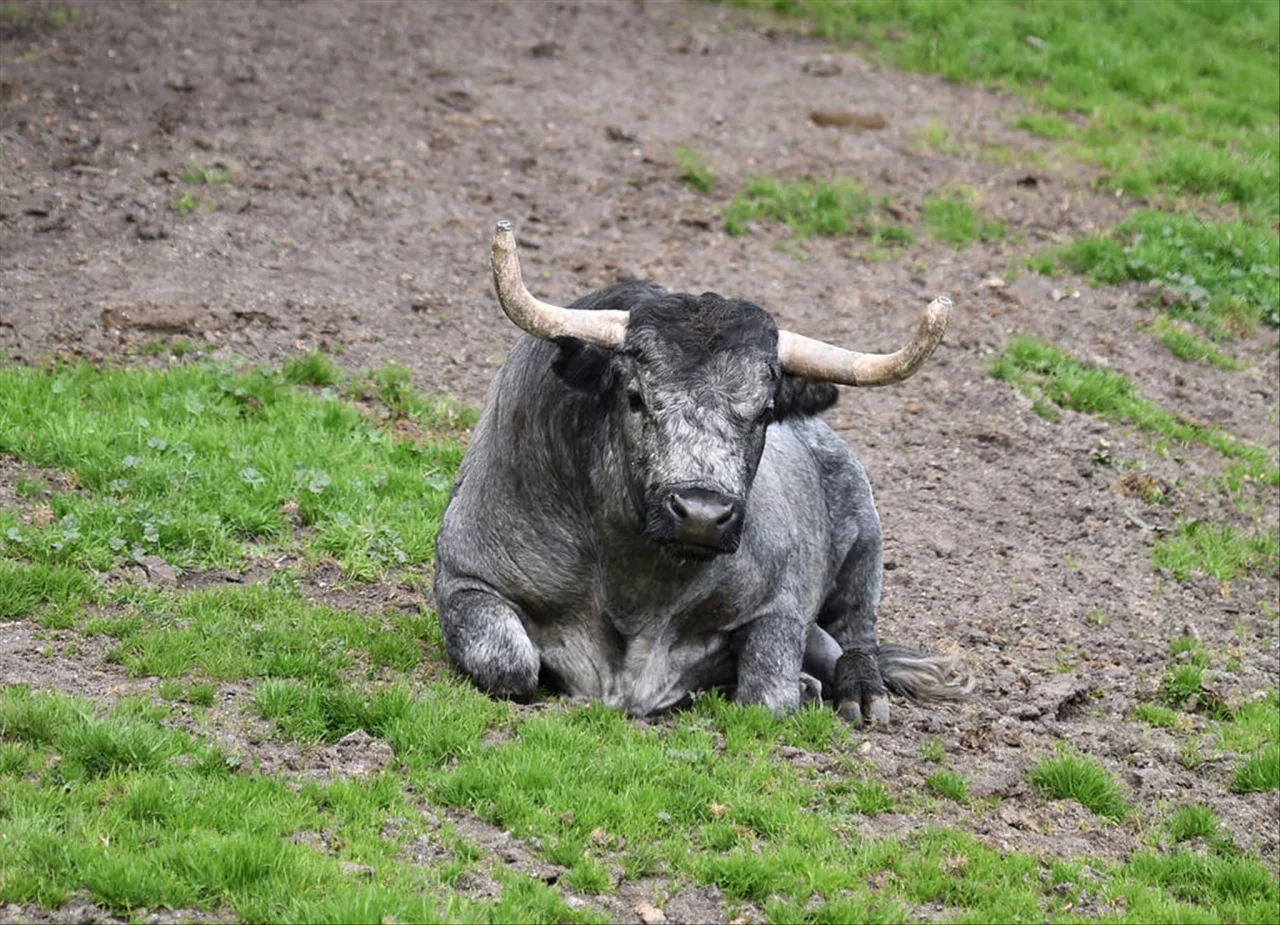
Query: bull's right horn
(816, 359)
(542, 319)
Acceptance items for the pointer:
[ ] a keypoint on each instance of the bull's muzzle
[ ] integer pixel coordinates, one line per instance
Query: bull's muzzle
(703, 521)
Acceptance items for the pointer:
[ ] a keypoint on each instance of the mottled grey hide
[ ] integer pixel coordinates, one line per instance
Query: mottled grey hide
(639, 524)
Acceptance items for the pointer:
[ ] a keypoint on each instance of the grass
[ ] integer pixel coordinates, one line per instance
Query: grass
(1116, 82)
(187, 202)
(949, 784)
(809, 208)
(953, 219)
(1259, 772)
(1187, 345)
(26, 588)
(1217, 550)
(132, 813)
(694, 169)
(1053, 380)
(196, 174)
(1250, 729)
(198, 462)
(1195, 820)
(311, 368)
(1071, 776)
(259, 631)
(121, 819)
(1223, 276)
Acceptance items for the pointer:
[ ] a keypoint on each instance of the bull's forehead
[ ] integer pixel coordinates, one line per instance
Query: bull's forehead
(734, 381)
(702, 338)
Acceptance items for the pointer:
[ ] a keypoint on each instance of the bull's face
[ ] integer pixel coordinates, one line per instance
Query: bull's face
(690, 393)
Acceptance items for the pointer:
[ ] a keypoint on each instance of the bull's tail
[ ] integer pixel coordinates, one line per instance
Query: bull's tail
(923, 675)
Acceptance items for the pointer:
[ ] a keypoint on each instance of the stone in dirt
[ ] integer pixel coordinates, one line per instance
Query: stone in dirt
(355, 755)
(153, 318)
(159, 572)
(845, 119)
(650, 914)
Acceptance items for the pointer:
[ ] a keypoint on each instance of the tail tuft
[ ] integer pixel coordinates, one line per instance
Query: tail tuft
(922, 675)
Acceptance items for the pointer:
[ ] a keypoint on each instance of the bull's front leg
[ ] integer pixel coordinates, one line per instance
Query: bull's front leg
(770, 653)
(484, 637)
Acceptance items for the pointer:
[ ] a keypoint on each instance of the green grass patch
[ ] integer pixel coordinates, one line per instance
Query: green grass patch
(126, 819)
(194, 462)
(311, 368)
(1053, 379)
(1258, 772)
(187, 202)
(195, 174)
(1185, 344)
(935, 136)
(260, 631)
(200, 695)
(425, 728)
(953, 219)
(1071, 776)
(130, 814)
(1223, 276)
(1045, 126)
(809, 208)
(694, 169)
(1158, 113)
(26, 588)
(1195, 820)
(949, 784)
(1217, 550)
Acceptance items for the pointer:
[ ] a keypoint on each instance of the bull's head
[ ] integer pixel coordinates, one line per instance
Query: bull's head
(694, 382)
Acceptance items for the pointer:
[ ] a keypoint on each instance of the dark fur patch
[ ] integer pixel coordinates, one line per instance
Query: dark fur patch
(582, 366)
(692, 328)
(798, 398)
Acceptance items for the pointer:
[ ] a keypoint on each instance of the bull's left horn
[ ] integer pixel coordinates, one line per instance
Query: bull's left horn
(542, 319)
(815, 359)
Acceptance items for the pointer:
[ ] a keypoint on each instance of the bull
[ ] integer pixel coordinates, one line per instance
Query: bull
(650, 507)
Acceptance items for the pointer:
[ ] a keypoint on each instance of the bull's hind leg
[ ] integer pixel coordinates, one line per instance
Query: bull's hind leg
(849, 615)
(484, 637)
(865, 670)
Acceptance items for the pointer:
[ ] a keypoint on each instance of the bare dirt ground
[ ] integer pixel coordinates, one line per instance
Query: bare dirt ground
(371, 146)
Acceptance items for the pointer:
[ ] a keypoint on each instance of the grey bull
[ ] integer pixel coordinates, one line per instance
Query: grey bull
(649, 507)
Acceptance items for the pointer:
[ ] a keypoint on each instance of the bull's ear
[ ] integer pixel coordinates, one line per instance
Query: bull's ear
(797, 398)
(583, 366)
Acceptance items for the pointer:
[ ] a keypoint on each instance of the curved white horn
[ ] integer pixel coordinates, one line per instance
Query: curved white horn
(816, 359)
(542, 319)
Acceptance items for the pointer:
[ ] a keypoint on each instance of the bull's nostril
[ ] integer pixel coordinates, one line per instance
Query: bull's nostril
(676, 507)
(730, 512)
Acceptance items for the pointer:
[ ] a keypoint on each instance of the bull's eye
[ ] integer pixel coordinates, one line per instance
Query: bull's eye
(634, 401)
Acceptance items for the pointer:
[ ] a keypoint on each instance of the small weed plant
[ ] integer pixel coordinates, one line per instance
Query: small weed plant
(953, 218)
(695, 172)
(196, 174)
(1071, 776)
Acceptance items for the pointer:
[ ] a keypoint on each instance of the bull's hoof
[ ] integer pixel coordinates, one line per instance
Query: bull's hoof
(860, 692)
(810, 690)
(875, 711)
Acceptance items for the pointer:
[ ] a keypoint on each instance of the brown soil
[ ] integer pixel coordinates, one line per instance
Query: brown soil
(372, 146)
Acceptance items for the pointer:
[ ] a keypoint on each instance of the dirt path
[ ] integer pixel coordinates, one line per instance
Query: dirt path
(370, 147)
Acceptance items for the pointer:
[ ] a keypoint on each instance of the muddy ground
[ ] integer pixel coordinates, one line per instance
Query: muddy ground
(370, 148)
